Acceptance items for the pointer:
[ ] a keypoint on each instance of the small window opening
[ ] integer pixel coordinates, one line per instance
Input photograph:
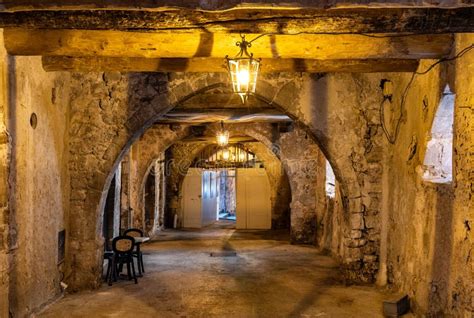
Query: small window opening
(438, 161)
(330, 181)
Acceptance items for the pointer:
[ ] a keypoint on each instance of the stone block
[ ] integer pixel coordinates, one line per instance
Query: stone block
(357, 221)
(370, 258)
(356, 234)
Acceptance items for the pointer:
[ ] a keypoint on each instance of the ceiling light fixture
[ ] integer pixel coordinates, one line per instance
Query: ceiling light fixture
(243, 70)
(222, 136)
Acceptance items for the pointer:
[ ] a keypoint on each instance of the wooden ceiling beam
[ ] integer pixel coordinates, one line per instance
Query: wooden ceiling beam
(216, 65)
(280, 20)
(216, 45)
(160, 5)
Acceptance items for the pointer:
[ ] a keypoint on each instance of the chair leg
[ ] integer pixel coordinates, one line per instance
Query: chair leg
(113, 271)
(128, 269)
(141, 262)
(120, 267)
(109, 267)
(133, 271)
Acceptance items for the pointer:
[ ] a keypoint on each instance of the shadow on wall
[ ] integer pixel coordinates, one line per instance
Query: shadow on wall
(443, 243)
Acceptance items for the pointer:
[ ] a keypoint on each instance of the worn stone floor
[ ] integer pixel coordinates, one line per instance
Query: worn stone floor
(268, 278)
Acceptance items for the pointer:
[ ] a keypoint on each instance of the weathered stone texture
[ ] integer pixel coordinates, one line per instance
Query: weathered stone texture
(300, 155)
(39, 192)
(149, 147)
(429, 224)
(461, 283)
(341, 112)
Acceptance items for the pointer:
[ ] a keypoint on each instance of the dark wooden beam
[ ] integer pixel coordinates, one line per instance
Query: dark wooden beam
(215, 65)
(159, 5)
(218, 45)
(254, 20)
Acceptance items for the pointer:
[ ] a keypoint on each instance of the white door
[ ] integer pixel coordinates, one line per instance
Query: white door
(191, 199)
(253, 199)
(209, 197)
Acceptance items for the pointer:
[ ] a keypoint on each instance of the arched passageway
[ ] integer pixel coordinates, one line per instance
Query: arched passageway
(191, 86)
(85, 84)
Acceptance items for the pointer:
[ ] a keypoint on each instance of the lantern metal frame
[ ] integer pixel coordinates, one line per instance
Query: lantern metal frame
(243, 70)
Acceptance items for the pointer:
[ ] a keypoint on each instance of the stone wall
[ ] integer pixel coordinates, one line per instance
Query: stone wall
(39, 181)
(412, 205)
(301, 158)
(461, 280)
(5, 144)
(148, 148)
(340, 111)
(429, 241)
(331, 233)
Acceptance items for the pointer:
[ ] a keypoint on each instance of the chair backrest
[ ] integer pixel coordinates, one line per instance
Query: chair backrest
(133, 233)
(123, 244)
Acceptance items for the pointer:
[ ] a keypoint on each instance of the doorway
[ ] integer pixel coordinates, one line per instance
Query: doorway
(226, 196)
(240, 195)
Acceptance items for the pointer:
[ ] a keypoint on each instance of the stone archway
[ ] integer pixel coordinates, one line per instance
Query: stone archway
(151, 144)
(121, 107)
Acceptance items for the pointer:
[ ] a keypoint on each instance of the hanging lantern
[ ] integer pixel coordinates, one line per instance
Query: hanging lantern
(225, 154)
(243, 70)
(222, 136)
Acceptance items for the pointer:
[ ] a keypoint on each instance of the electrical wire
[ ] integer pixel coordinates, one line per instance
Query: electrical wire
(393, 138)
(370, 35)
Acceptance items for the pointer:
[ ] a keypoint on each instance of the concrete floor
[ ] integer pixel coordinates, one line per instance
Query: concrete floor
(267, 278)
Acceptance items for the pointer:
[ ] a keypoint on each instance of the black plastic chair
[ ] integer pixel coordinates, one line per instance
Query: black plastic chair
(122, 247)
(137, 253)
(108, 255)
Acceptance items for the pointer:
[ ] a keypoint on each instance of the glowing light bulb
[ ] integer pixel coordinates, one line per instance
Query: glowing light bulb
(223, 138)
(243, 76)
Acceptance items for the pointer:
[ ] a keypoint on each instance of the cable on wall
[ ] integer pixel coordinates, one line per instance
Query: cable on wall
(393, 138)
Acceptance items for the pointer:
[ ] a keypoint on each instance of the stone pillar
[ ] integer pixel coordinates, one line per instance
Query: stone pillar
(134, 187)
(125, 194)
(117, 194)
(162, 191)
(299, 155)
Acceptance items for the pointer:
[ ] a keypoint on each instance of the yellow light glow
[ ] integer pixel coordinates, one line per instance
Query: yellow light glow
(243, 76)
(222, 138)
(225, 154)
(242, 156)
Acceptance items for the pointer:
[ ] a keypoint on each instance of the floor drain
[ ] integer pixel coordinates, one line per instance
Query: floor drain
(223, 254)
